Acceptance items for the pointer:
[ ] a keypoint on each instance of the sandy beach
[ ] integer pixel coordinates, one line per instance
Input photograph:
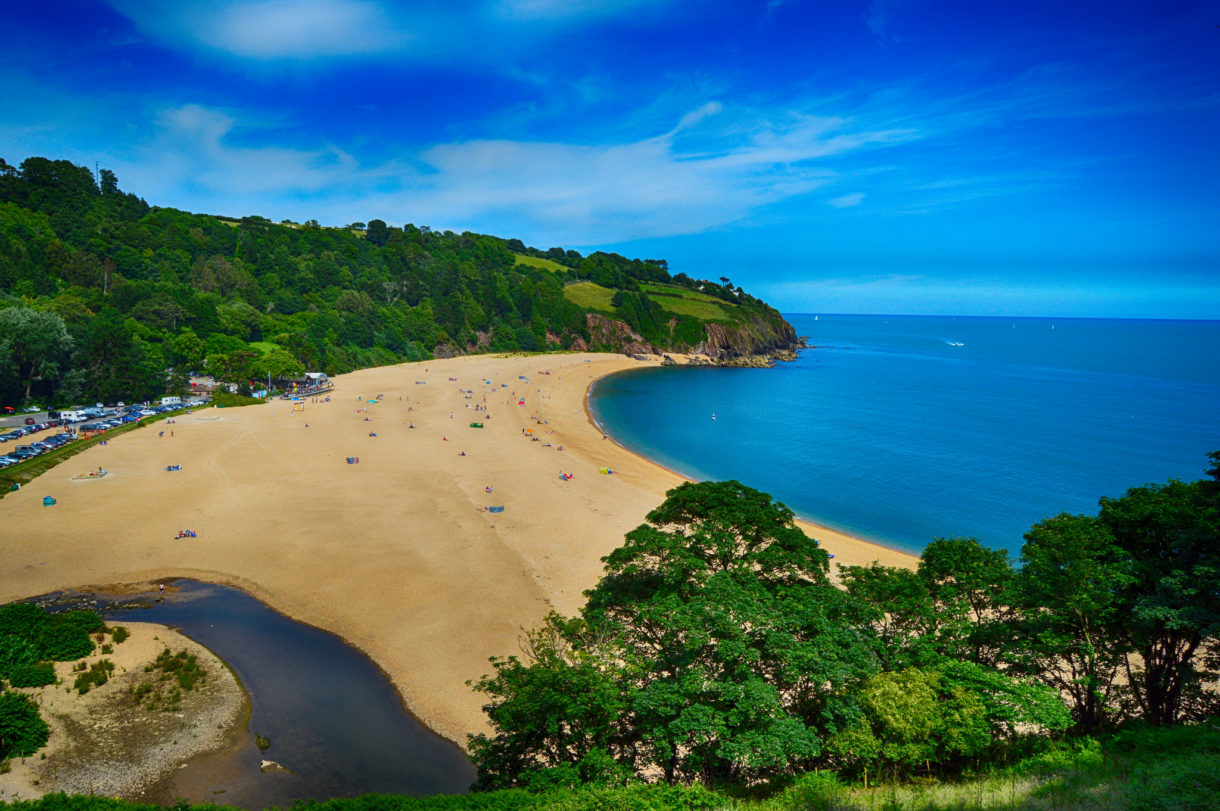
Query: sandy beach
(396, 553)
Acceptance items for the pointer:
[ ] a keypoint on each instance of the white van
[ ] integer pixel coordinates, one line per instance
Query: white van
(171, 401)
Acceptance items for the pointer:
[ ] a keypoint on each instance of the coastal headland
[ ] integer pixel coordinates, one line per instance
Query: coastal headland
(368, 515)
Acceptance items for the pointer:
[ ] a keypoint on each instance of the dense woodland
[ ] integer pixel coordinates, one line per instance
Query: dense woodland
(104, 297)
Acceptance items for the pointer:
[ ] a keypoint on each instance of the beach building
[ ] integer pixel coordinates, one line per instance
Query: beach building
(311, 384)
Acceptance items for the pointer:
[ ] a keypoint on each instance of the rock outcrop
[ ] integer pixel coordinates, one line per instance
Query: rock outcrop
(755, 341)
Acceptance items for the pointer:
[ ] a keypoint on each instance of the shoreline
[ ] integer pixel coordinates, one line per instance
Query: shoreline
(396, 555)
(840, 538)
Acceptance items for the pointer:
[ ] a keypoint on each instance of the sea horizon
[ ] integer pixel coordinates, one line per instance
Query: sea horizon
(938, 426)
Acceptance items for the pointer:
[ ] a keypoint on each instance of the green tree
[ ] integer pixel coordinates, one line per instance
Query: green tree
(969, 585)
(34, 343)
(186, 350)
(562, 706)
(377, 232)
(729, 648)
(278, 363)
(919, 720)
(897, 605)
(1170, 533)
(1068, 594)
(22, 730)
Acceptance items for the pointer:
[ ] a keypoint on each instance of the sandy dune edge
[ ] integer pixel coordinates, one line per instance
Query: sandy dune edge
(395, 554)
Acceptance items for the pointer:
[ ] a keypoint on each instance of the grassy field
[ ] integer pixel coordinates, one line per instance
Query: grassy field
(590, 296)
(680, 292)
(538, 262)
(677, 300)
(703, 310)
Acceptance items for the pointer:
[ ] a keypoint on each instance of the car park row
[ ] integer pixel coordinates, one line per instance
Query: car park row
(89, 420)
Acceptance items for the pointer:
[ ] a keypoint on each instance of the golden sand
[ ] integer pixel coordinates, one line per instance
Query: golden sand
(395, 553)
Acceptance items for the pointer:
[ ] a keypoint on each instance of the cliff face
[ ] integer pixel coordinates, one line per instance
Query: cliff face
(757, 341)
(744, 344)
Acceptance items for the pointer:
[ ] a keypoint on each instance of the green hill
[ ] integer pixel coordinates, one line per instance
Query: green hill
(102, 296)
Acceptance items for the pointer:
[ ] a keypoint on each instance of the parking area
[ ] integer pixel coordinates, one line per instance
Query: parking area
(24, 436)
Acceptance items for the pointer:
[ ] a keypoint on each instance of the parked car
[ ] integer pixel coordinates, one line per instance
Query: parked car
(29, 420)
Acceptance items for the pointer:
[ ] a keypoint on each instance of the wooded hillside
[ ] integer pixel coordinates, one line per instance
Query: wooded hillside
(105, 297)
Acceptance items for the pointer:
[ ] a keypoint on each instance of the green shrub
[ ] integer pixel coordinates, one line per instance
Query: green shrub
(66, 636)
(230, 400)
(22, 730)
(182, 665)
(813, 791)
(95, 676)
(35, 675)
(118, 633)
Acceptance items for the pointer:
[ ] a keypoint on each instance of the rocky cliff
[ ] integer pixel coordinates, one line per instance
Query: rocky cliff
(757, 340)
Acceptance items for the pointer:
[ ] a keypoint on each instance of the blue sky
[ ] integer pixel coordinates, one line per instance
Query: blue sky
(896, 156)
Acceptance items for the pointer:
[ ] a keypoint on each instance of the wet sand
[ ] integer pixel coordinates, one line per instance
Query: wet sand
(396, 553)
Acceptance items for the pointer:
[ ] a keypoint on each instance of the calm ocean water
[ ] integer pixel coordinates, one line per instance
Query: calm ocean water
(906, 428)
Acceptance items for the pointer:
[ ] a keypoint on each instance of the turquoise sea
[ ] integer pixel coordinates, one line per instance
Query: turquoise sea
(905, 428)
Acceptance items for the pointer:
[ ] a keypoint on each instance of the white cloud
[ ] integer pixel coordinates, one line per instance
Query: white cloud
(291, 28)
(570, 193)
(191, 163)
(271, 29)
(695, 116)
(472, 31)
(847, 200)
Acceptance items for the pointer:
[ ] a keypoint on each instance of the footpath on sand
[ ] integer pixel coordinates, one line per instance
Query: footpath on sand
(368, 514)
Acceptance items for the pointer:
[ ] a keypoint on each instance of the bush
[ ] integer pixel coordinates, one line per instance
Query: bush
(183, 665)
(118, 633)
(66, 636)
(813, 791)
(230, 400)
(95, 676)
(22, 730)
(29, 634)
(35, 675)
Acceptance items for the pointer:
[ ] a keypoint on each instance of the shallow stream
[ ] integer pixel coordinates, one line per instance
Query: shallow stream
(332, 718)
